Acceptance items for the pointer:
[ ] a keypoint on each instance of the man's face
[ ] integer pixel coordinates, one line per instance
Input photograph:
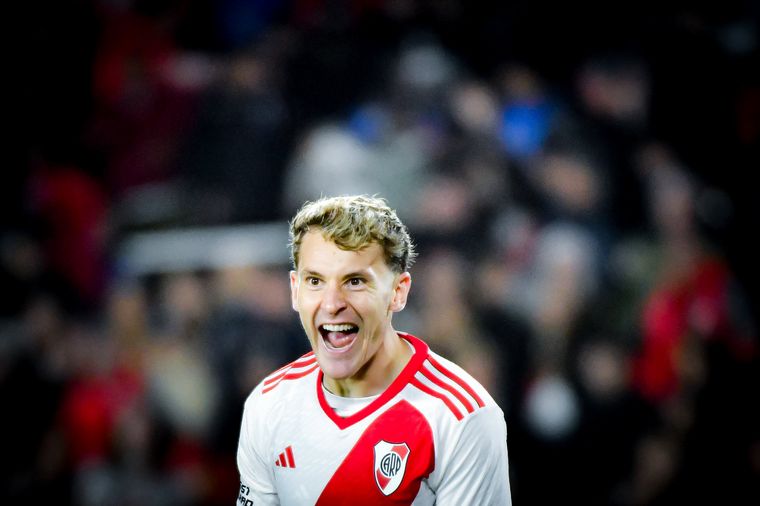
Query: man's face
(345, 300)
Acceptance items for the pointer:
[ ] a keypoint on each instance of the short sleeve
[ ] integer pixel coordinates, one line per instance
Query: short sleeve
(256, 475)
(477, 468)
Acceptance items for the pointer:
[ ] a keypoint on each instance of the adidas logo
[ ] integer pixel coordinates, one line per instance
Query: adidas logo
(286, 459)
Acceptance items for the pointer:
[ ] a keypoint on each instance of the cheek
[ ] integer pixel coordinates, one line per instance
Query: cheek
(307, 298)
(305, 306)
(376, 308)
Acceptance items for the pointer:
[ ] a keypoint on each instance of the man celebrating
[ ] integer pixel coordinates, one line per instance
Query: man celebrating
(370, 416)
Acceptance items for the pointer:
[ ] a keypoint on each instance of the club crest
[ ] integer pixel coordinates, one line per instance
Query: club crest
(390, 465)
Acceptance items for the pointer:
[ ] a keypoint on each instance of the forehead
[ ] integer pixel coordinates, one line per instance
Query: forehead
(320, 254)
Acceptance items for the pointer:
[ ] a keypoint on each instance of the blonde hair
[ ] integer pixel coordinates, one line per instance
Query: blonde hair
(353, 223)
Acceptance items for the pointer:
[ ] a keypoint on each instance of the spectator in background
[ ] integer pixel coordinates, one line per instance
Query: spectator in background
(71, 208)
(692, 291)
(33, 366)
(387, 145)
(528, 112)
(232, 160)
(143, 98)
(697, 348)
(611, 117)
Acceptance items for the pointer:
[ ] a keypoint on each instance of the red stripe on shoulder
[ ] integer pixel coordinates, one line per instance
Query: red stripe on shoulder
(456, 379)
(294, 370)
(421, 386)
(304, 361)
(306, 356)
(290, 376)
(449, 388)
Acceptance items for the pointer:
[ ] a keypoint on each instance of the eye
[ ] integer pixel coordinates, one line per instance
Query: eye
(356, 281)
(312, 281)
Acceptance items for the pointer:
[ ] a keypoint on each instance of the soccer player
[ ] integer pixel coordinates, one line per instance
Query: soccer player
(370, 416)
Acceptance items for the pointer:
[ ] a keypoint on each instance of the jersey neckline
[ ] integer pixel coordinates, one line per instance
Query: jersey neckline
(407, 373)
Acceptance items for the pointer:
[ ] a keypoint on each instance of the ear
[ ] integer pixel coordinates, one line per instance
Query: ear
(294, 290)
(401, 292)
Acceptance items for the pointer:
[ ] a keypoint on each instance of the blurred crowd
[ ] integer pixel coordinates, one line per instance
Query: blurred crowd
(576, 190)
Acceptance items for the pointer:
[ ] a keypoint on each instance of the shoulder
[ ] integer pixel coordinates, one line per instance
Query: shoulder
(289, 380)
(445, 385)
(469, 431)
(276, 399)
(296, 370)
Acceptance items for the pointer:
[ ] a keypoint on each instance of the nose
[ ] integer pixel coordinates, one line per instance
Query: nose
(333, 300)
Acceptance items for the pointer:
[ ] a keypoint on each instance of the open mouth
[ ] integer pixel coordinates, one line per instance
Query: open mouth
(338, 336)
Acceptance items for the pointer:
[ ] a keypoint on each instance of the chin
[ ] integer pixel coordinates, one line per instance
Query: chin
(334, 369)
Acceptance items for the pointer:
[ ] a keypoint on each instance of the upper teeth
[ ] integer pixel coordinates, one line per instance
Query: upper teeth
(342, 327)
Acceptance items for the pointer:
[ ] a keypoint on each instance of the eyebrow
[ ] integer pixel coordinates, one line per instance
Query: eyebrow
(349, 275)
(357, 274)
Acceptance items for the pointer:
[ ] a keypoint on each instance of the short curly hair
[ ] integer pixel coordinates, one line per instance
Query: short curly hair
(353, 223)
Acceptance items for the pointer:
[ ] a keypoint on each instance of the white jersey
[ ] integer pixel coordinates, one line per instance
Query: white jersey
(434, 436)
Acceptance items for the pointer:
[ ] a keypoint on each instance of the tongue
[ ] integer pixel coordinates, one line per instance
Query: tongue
(339, 339)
